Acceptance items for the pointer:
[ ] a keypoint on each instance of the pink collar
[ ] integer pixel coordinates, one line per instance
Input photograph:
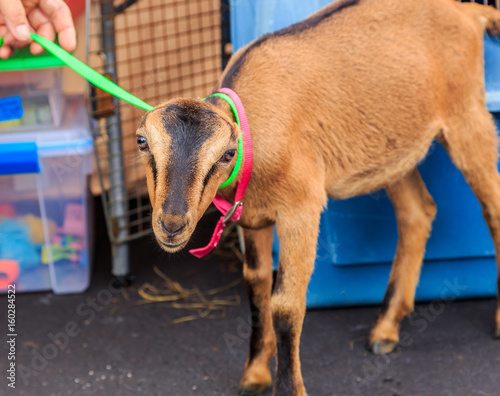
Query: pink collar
(232, 212)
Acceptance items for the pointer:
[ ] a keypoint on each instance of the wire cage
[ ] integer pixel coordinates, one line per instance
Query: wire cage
(156, 49)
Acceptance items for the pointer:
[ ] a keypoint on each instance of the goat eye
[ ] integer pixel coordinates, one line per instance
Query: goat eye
(142, 143)
(228, 156)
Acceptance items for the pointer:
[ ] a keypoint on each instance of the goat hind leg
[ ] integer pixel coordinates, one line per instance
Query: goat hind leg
(473, 147)
(415, 211)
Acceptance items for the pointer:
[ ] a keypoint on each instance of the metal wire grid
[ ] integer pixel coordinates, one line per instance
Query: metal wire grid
(156, 49)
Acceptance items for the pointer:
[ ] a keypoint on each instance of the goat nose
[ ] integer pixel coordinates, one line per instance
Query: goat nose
(171, 228)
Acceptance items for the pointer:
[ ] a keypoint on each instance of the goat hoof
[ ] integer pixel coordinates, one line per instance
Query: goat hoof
(383, 347)
(254, 389)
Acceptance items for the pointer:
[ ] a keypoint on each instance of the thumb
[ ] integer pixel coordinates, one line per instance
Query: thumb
(15, 19)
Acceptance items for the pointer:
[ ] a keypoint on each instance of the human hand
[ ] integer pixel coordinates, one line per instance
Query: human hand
(45, 17)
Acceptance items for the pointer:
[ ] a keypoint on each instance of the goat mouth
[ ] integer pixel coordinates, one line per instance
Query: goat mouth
(172, 245)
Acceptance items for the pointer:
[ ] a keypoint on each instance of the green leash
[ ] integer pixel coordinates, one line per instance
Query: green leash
(109, 86)
(89, 73)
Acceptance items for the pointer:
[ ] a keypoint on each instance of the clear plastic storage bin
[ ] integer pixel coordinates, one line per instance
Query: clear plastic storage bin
(45, 206)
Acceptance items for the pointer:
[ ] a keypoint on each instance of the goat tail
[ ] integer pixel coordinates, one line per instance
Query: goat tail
(489, 16)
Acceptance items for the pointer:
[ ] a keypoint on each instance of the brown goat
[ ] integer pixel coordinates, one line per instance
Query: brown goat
(346, 102)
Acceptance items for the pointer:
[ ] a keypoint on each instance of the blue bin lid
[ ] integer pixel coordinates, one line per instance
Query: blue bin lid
(18, 158)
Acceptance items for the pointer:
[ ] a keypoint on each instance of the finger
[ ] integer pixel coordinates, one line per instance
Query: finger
(10, 40)
(3, 29)
(42, 26)
(6, 51)
(15, 19)
(59, 14)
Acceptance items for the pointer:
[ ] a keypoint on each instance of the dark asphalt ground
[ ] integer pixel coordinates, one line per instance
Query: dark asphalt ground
(118, 347)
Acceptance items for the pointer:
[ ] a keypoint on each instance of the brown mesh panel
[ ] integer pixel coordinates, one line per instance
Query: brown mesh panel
(163, 49)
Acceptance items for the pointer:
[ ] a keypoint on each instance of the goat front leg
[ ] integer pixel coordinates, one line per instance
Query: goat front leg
(298, 234)
(258, 274)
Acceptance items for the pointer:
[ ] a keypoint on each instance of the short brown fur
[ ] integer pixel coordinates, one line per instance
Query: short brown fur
(346, 104)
